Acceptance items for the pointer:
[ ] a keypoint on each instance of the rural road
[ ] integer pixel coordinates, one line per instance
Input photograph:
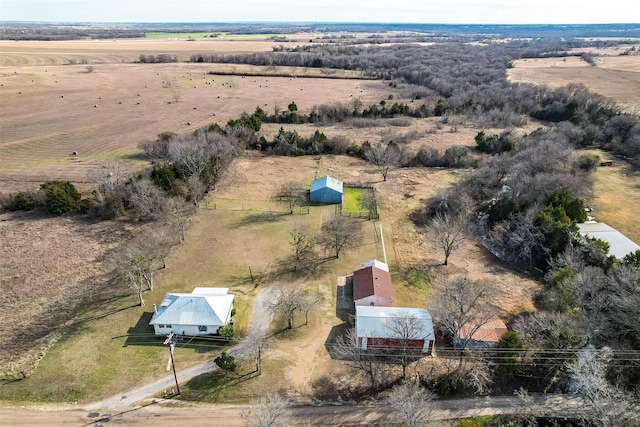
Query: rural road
(163, 415)
(260, 321)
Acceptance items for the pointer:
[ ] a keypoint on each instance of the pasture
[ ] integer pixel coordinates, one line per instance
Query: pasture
(60, 97)
(615, 76)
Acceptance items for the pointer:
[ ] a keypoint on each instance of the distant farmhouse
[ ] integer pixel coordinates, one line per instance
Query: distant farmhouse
(384, 328)
(201, 312)
(372, 285)
(326, 190)
(619, 244)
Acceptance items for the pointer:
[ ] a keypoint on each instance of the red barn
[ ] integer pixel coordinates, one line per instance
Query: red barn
(394, 329)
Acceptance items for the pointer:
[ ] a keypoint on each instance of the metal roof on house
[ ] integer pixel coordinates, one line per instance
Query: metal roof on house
(619, 244)
(378, 322)
(193, 309)
(326, 182)
(370, 281)
(490, 331)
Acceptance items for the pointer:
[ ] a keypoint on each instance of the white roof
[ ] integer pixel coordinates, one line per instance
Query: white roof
(619, 244)
(326, 182)
(375, 263)
(193, 309)
(379, 322)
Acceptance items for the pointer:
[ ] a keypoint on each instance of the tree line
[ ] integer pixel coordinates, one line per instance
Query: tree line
(471, 79)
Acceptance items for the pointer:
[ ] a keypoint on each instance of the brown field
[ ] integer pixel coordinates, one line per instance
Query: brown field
(104, 112)
(615, 76)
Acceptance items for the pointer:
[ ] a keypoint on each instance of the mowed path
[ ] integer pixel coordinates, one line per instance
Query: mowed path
(260, 321)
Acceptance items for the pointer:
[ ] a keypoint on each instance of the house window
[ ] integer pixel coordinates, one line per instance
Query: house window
(202, 329)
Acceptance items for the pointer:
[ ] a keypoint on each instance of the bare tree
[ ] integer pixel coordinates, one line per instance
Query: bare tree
(412, 405)
(289, 300)
(383, 157)
(347, 348)
(302, 243)
(134, 266)
(309, 303)
(158, 149)
(179, 216)
(192, 151)
(588, 378)
(340, 233)
(146, 200)
(110, 189)
(367, 201)
(407, 329)
(254, 342)
(461, 304)
(448, 231)
(269, 411)
(291, 194)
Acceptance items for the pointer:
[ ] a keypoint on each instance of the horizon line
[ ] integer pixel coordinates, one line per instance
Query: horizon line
(313, 23)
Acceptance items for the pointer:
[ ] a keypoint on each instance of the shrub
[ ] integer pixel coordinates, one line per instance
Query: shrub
(226, 362)
(449, 384)
(21, 201)
(507, 353)
(226, 331)
(61, 197)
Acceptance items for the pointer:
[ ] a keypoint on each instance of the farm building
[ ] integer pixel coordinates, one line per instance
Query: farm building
(619, 244)
(326, 190)
(482, 332)
(394, 328)
(372, 285)
(201, 312)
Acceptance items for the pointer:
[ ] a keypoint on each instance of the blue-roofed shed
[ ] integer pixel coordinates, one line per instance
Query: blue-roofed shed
(326, 190)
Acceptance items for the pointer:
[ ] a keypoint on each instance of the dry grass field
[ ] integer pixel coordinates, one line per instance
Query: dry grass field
(104, 111)
(50, 109)
(614, 76)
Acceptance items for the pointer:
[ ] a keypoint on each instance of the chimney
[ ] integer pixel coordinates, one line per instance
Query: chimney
(155, 309)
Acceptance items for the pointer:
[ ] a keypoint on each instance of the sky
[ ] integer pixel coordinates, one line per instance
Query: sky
(376, 11)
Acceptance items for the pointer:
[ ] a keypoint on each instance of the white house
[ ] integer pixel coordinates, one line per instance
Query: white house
(201, 312)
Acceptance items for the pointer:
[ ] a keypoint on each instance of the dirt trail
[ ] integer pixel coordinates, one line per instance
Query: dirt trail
(231, 415)
(260, 321)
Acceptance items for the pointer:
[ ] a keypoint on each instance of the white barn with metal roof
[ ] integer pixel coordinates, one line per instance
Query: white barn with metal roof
(385, 328)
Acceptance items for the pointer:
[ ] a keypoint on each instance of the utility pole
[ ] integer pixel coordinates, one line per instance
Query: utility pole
(171, 340)
(250, 272)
